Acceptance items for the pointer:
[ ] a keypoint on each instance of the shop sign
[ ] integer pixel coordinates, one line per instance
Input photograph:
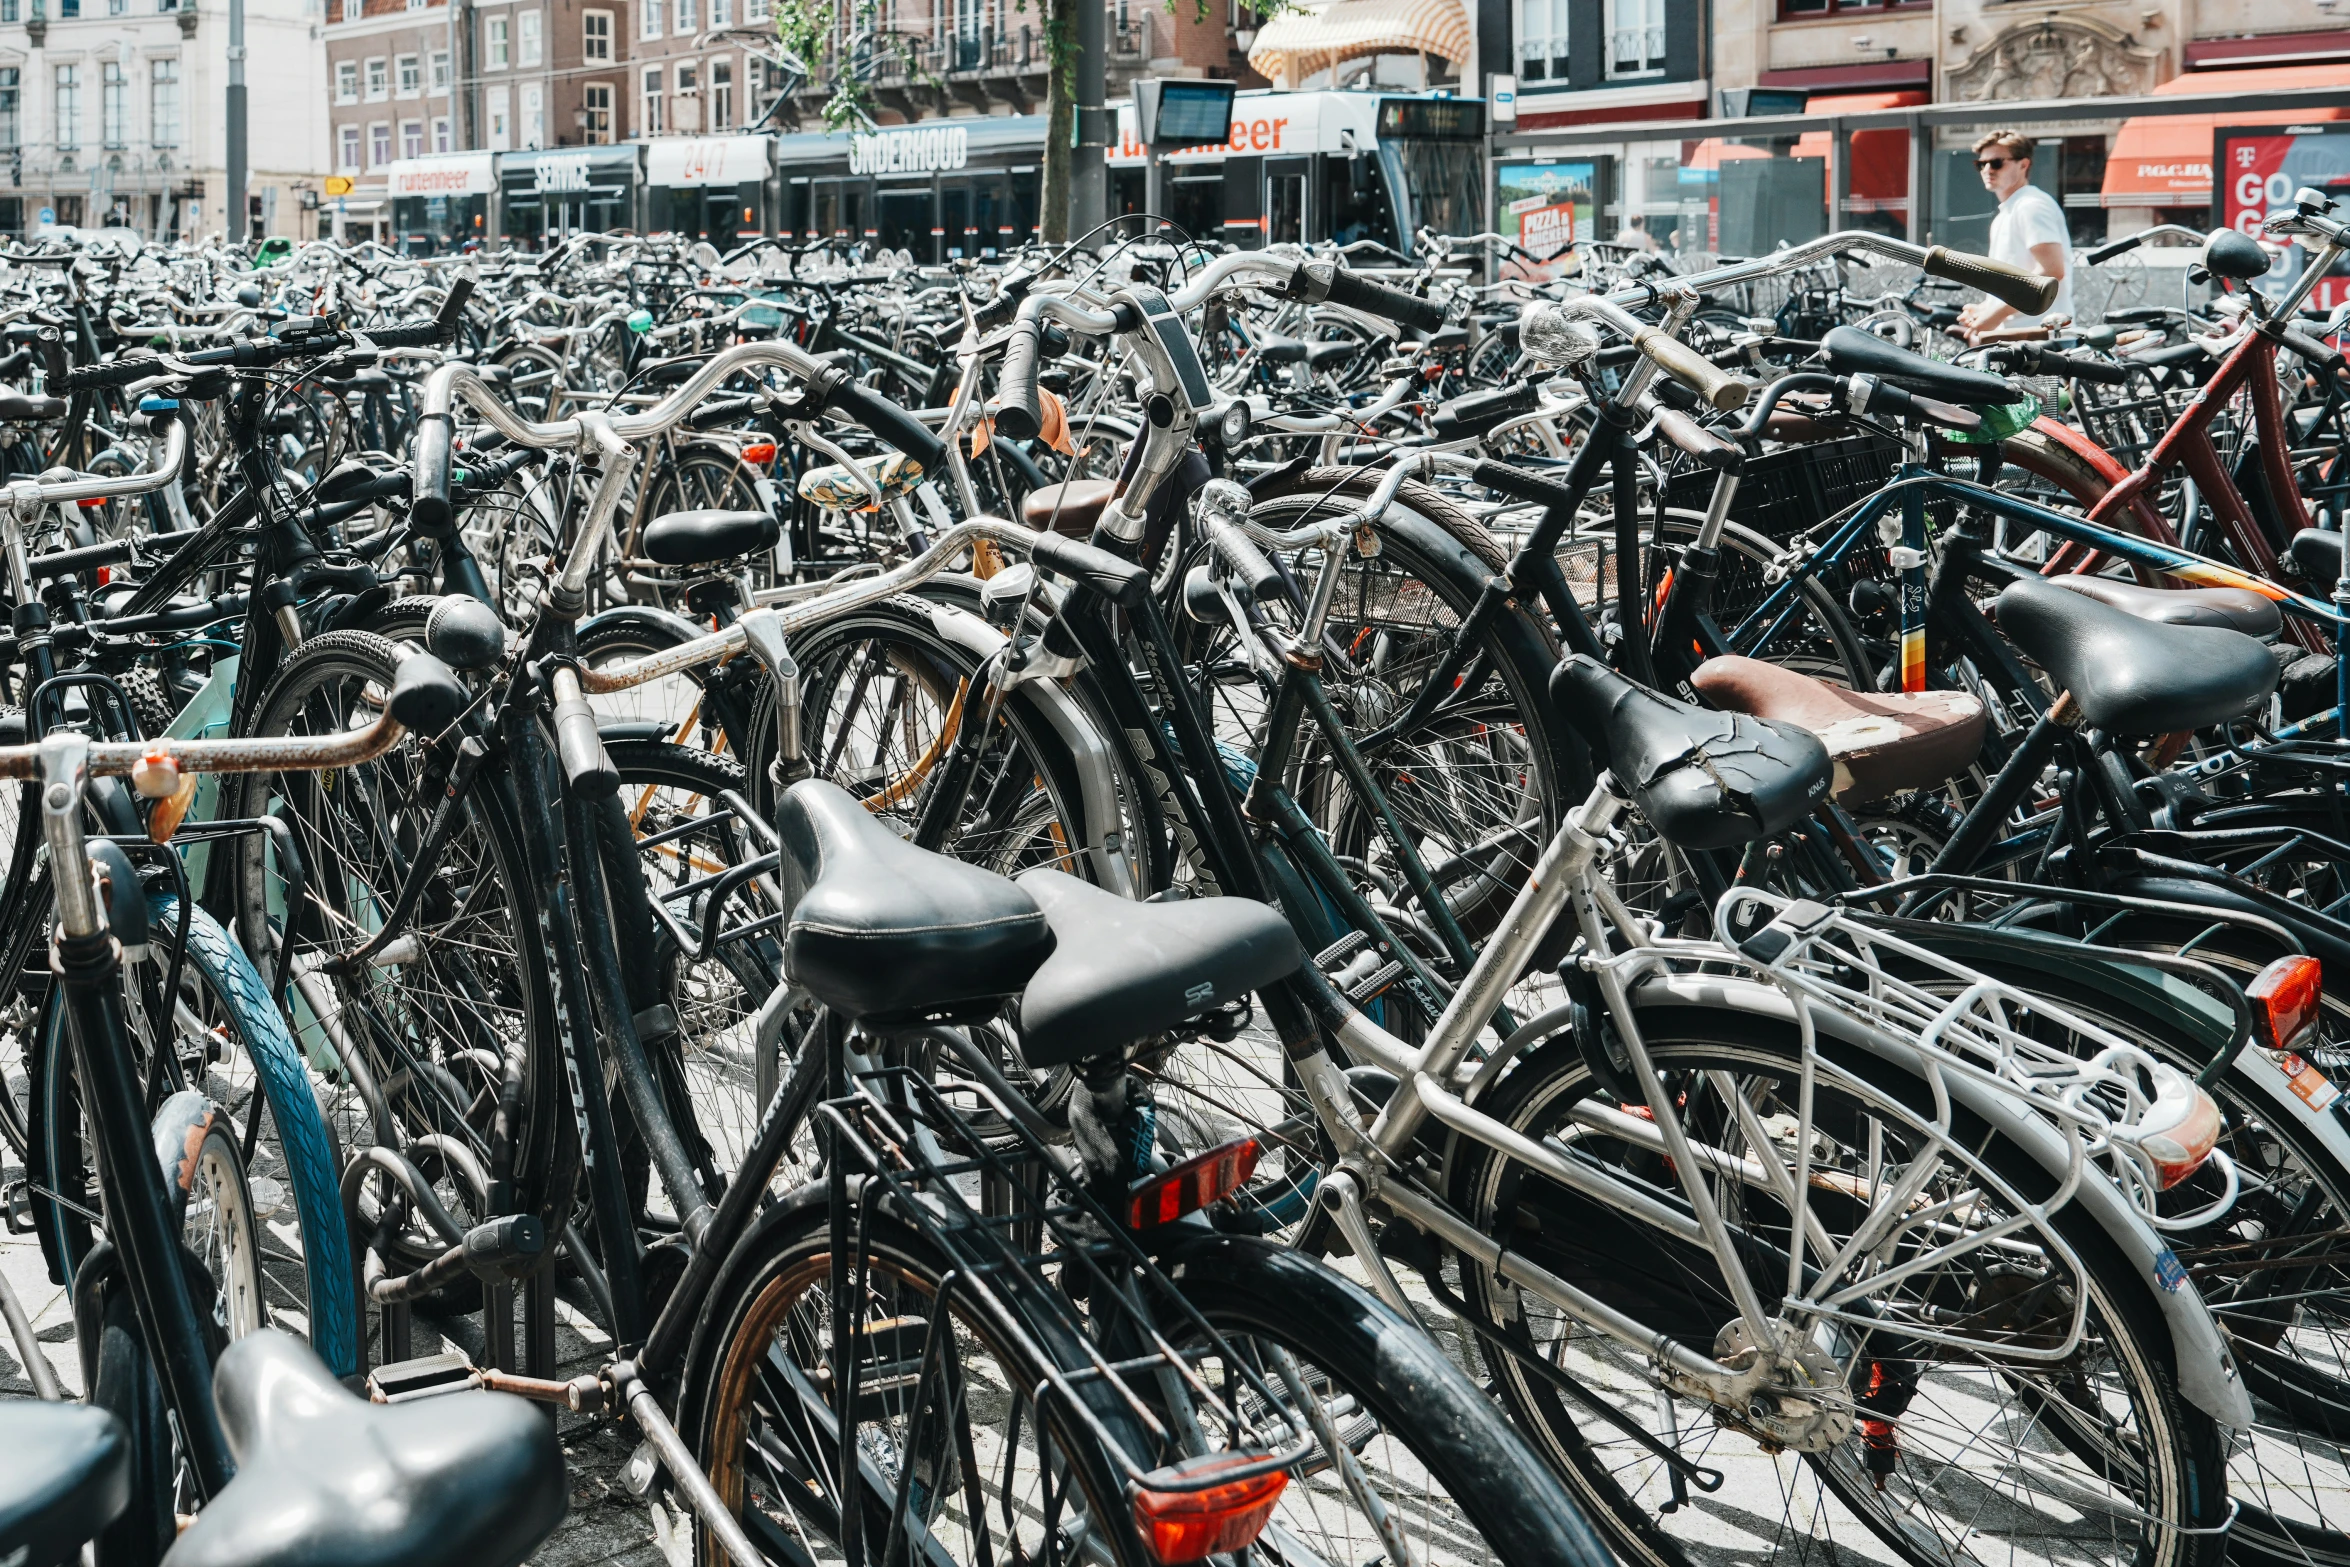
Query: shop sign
(918, 150)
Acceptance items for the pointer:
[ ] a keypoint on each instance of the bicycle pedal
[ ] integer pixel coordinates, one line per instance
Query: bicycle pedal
(1373, 983)
(642, 1472)
(1340, 950)
(427, 1376)
(18, 1210)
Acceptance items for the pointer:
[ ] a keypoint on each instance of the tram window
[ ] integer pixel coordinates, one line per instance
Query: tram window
(955, 207)
(1354, 194)
(1442, 183)
(1195, 202)
(1285, 209)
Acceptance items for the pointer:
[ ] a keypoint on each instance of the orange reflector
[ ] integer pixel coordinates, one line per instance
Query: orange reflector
(2285, 1001)
(1191, 1526)
(759, 453)
(93, 504)
(1192, 1185)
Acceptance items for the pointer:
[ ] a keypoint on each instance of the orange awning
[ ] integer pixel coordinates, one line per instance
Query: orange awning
(2164, 160)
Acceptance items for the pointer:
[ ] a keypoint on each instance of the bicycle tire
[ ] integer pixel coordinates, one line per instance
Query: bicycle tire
(2175, 1443)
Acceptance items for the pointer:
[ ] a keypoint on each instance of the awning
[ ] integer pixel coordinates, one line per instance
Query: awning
(2164, 160)
(457, 174)
(683, 162)
(1296, 44)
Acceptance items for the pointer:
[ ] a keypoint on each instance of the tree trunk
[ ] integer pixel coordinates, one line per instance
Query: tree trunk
(1060, 110)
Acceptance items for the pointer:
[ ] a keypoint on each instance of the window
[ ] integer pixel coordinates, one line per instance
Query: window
(754, 10)
(721, 14)
(69, 107)
(347, 156)
(117, 7)
(500, 118)
(1542, 40)
(596, 98)
(526, 26)
(650, 120)
(1636, 37)
(354, 9)
(689, 78)
(496, 47)
(648, 18)
(379, 144)
(411, 138)
(114, 93)
(346, 81)
(7, 10)
(1800, 10)
(11, 107)
(163, 101)
(440, 135)
(406, 75)
(440, 71)
(378, 81)
(722, 94)
(534, 117)
(688, 14)
(595, 35)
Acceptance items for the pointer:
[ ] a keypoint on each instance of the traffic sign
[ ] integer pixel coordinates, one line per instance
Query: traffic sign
(338, 184)
(48, 214)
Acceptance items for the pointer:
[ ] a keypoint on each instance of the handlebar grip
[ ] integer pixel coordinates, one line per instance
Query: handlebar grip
(430, 464)
(122, 372)
(419, 334)
(2080, 367)
(51, 344)
(453, 309)
(586, 765)
(2320, 354)
(1015, 409)
(1240, 552)
(1518, 484)
(1122, 582)
(1722, 391)
(1699, 442)
(893, 424)
(1377, 299)
(2104, 253)
(2030, 292)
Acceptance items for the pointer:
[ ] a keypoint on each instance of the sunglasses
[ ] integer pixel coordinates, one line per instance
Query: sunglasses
(1993, 164)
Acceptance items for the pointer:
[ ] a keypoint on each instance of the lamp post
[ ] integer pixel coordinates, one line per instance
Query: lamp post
(236, 121)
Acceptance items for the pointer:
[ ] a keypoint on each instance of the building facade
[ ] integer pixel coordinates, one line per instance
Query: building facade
(110, 114)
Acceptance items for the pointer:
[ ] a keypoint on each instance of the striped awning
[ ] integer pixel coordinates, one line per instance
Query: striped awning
(1296, 44)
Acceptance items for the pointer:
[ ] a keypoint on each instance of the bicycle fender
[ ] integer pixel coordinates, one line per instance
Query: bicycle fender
(647, 619)
(1097, 781)
(2107, 467)
(178, 1129)
(2205, 1367)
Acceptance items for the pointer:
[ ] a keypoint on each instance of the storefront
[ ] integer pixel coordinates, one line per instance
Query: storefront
(545, 197)
(711, 187)
(939, 190)
(440, 203)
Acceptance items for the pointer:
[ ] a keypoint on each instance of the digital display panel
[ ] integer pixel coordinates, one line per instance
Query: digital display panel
(1194, 114)
(1448, 119)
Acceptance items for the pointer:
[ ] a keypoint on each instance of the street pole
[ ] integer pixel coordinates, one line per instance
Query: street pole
(236, 121)
(1089, 189)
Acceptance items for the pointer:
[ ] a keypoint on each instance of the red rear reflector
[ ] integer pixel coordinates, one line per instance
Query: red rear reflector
(759, 453)
(1192, 1185)
(1191, 1526)
(92, 504)
(2285, 1001)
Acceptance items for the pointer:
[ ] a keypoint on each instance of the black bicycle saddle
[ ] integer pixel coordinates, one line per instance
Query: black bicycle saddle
(2233, 609)
(1123, 971)
(883, 931)
(696, 538)
(1703, 779)
(1851, 351)
(2318, 552)
(327, 1479)
(2132, 676)
(66, 1477)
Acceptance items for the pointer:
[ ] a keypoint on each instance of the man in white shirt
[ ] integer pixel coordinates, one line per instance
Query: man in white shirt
(2028, 231)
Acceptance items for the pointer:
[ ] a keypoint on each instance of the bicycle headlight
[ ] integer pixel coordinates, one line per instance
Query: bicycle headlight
(1546, 332)
(1232, 424)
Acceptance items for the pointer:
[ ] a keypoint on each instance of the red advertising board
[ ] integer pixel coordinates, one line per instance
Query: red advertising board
(2256, 170)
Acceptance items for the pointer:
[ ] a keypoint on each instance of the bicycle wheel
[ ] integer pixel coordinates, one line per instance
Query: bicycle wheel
(424, 1033)
(1427, 1448)
(992, 1474)
(1915, 1450)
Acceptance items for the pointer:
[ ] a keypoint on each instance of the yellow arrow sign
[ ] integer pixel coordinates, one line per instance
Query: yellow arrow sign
(338, 184)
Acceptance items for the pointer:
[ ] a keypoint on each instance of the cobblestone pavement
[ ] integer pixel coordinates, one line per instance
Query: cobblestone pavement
(606, 1526)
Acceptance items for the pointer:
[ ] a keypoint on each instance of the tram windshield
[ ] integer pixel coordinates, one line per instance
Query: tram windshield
(1432, 152)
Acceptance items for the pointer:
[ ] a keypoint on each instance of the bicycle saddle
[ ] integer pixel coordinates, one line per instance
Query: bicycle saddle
(2132, 676)
(885, 931)
(1295, 351)
(1078, 503)
(327, 1479)
(1851, 351)
(696, 538)
(2319, 555)
(17, 408)
(2229, 609)
(67, 1477)
(1123, 971)
(2229, 254)
(1881, 742)
(1704, 780)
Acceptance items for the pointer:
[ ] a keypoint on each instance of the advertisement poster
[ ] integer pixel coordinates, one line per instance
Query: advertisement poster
(1544, 207)
(2258, 171)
